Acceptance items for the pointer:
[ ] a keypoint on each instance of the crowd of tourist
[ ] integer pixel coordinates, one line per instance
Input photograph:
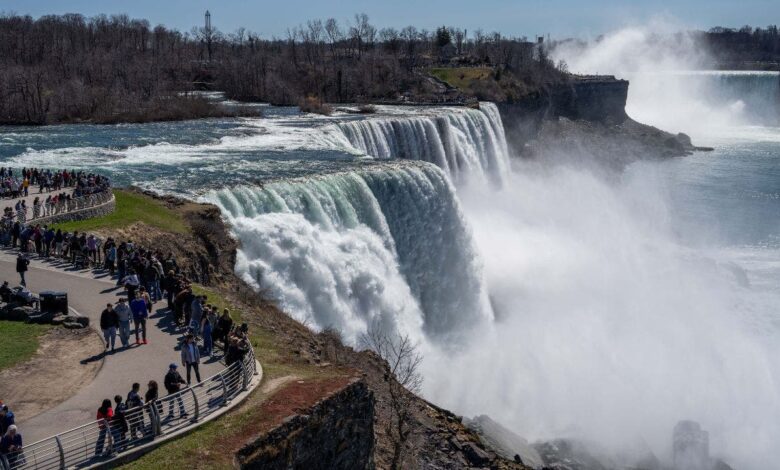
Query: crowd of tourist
(62, 189)
(147, 277)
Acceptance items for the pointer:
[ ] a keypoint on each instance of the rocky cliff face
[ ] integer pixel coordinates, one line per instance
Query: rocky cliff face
(336, 433)
(585, 119)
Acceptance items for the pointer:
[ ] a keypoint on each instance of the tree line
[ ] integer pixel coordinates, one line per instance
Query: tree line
(71, 68)
(744, 47)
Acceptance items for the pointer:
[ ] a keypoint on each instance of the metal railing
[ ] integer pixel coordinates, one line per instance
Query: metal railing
(65, 206)
(101, 441)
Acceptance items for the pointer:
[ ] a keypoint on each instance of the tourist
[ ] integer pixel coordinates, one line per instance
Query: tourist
(134, 410)
(119, 424)
(144, 294)
(152, 396)
(7, 419)
(92, 248)
(224, 326)
(123, 313)
(209, 321)
(173, 383)
(140, 314)
(110, 256)
(11, 445)
(190, 357)
(104, 415)
(131, 283)
(59, 238)
(196, 313)
(238, 345)
(109, 323)
(22, 265)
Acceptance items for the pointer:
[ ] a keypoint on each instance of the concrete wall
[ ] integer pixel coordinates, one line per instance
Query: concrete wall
(336, 433)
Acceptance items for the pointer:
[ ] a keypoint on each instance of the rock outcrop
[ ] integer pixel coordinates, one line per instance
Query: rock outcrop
(504, 442)
(336, 433)
(586, 118)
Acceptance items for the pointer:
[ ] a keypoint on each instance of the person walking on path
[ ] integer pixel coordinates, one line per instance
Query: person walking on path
(109, 322)
(209, 321)
(22, 265)
(104, 415)
(173, 383)
(190, 357)
(140, 314)
(123, 313)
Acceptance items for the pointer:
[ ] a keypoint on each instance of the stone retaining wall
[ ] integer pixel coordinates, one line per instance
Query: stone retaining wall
(336, 433)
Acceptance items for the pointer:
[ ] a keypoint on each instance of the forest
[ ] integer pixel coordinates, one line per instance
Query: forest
(108, 69)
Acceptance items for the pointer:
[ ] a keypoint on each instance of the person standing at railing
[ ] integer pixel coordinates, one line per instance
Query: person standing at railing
(135, 412)
(173, 383)
(190, 357)
(152, 396)
(119, 424)
(11, 445)
(104, 414)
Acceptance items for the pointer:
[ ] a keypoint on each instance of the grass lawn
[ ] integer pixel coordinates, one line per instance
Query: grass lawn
(462, 77)
(19, 342)
(132, 207)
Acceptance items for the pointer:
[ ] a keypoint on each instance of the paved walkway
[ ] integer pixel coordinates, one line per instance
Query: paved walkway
(88, 293)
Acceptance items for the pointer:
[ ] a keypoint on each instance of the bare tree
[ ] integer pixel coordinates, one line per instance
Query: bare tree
(402, 379)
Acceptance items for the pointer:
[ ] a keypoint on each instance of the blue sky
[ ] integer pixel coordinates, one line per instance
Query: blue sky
(560, 18)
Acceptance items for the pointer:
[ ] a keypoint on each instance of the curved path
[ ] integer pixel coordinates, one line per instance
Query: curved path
(88, 293)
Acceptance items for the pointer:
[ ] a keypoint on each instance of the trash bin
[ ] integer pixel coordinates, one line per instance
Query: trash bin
(54, 302)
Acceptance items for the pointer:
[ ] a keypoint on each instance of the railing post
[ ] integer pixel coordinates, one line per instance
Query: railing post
(155, 419)
(244, 376)
(224, 389)
(197, 406)
(110, 437)
(62, 452)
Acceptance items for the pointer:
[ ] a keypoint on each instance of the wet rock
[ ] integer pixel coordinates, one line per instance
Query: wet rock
(475, 455)
(504, 442)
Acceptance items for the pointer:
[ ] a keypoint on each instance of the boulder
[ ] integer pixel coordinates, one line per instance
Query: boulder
(476, 456)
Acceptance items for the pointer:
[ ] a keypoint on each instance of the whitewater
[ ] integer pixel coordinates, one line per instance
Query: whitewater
(560, 301)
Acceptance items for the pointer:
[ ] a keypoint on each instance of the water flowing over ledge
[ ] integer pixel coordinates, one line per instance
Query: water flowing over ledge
(360, 249)
(464, 142)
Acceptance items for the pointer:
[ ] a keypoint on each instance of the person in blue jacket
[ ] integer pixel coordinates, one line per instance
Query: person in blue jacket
(140, 314)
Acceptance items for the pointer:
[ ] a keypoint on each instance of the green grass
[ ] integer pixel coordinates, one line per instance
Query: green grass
(19, 342)
(462, 77)
(132, 207)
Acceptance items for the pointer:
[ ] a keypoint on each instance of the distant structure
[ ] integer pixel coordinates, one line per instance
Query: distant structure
(208, 21)
(691, 447)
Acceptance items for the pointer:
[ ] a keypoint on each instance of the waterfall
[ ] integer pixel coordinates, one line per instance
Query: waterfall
(354, 249)
(464, 142)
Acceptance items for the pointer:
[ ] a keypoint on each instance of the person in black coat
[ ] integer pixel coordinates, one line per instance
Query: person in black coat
(22, 264)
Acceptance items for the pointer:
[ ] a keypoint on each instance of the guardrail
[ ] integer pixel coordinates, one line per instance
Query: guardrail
(65, 206)
(101, 441)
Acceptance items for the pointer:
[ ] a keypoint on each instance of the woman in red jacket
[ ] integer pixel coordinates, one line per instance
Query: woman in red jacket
(104, 414)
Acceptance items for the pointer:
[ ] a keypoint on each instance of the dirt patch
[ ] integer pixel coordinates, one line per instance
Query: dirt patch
(60, 350)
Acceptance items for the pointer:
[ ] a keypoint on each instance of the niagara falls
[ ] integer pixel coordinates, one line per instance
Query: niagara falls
(387, 247)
